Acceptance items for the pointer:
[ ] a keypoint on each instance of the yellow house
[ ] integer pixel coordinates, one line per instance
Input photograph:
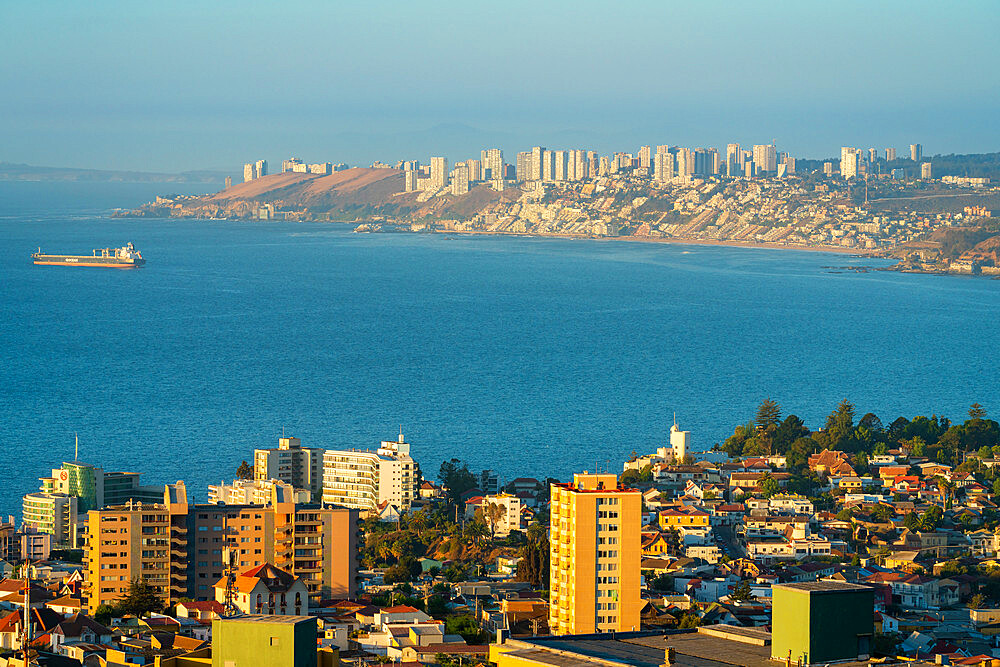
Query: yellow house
(686, 516)
(654, 544)
(849, 483)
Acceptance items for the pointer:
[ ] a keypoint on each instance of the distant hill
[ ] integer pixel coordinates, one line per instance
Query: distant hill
(10, 171)
(355, 193)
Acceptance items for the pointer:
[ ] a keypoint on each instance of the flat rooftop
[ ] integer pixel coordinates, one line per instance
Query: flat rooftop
(743, 647)
(266, 619)
(693, 649)
(824, 586)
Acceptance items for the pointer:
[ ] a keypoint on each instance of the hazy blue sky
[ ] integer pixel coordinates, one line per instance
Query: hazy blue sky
(187, 85)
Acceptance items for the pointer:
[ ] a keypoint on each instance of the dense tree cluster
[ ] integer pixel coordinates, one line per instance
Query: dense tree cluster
(534, 564)
(935, 437)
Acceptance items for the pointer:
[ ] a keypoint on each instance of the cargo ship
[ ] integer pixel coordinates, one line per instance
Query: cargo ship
(126, 257)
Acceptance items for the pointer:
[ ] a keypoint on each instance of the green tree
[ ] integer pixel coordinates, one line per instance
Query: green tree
(788, 432)
(635, 477)
(768, 485)
(766, 422)
(244, 471)
(103, 614)
(457, 479)
(839, 430)
(437, 606)
(661, 582)
(916, 445)
(688, 620)
(977, 601)
(736, 443)
(140, 599)
(493, 513)
(799, 452)
(977, 411)
(742, 592)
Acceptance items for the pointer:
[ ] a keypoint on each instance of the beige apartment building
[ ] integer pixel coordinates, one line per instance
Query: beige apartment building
(291, 463)
(595, 553)
(178, 546)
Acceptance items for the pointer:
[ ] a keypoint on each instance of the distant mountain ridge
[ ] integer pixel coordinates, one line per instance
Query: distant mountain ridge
(11, 171)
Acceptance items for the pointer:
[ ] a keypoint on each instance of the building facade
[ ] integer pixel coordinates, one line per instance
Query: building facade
(365, 480)
(595, 551)
(291, 463)
(178, 547)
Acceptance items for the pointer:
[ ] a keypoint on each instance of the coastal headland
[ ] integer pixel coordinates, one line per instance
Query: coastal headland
(802, 213)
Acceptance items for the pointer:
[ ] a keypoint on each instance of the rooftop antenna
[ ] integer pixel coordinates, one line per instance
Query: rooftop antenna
(229, 555)
(401, 433)
(76, 450)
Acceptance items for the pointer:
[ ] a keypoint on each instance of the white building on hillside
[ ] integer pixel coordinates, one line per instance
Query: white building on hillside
(364, 479)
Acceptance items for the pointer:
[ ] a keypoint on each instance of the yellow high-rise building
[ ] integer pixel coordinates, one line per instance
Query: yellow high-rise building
(595, 553)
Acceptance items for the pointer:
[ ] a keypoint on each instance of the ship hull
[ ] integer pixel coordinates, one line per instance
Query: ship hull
(99, 262)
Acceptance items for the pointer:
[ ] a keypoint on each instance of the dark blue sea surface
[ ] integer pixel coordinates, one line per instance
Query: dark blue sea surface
(536, 357)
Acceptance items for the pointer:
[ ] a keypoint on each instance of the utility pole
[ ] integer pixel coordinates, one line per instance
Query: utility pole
(26, 621)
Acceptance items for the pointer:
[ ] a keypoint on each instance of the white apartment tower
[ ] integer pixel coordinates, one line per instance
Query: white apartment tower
(848, 162)
(460, 180)
(548, 166)
(439, 171)
(537, 158)
(364, 480)
(890, 154)
(663, 167)
(254, 170)
(645, 158)
(411, 180)
(559, 165)
(492, 159)
(765, 157)
(522, 168)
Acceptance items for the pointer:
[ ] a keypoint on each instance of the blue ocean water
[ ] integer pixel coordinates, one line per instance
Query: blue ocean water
(531, 356)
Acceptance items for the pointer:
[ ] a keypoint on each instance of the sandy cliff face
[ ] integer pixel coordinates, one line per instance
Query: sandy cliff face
(353, 192)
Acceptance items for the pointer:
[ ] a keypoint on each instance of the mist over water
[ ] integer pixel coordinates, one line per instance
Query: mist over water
(535, 357)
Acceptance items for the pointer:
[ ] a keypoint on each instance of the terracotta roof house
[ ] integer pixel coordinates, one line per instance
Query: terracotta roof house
(267, 590)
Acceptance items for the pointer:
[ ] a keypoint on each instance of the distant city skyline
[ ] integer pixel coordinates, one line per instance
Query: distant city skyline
(123, 86)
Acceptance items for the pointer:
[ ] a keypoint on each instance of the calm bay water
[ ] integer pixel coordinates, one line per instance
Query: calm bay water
(535, 357)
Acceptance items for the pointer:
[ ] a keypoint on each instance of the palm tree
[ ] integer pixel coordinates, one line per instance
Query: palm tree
(947, 489)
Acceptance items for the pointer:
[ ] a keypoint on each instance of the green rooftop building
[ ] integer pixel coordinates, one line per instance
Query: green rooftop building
(822, 621)
(264, 641)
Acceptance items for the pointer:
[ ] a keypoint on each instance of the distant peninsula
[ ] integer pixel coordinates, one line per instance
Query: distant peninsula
(931, 227)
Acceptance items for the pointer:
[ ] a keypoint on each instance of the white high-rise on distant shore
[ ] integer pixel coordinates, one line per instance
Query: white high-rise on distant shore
(254, 170)
(460, 180)
(848, 162)
(765, 157)
(439, 171)
(492, 160)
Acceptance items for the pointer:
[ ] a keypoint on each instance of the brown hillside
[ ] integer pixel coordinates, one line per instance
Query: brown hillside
(261, 186)
(312, 189)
